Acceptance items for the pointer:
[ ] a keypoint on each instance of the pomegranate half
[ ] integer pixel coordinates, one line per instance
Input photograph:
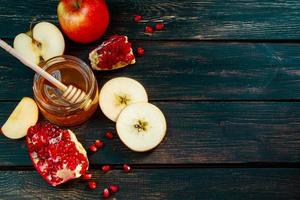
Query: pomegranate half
(56, 154)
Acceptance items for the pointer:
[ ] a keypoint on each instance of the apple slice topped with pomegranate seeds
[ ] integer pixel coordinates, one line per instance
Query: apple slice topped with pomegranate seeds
(114, 53)
(56, 154)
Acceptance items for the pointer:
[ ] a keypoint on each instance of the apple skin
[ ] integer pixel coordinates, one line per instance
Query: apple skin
(83, 21)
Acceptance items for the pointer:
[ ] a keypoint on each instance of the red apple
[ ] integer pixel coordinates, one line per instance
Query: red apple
(83, 21)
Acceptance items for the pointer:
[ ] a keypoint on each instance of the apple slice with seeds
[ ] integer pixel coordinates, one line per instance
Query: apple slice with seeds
(118, 93)
(24, 116)
(141, 126)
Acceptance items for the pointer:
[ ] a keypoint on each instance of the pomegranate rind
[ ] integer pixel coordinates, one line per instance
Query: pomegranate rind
(64, 173)
(94, 57)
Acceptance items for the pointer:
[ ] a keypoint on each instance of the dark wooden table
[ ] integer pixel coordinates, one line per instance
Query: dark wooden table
(225, 73)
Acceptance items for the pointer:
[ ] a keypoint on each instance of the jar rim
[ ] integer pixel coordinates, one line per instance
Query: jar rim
(71, 107)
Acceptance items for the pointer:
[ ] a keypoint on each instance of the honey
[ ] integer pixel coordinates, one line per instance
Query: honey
(70, 71)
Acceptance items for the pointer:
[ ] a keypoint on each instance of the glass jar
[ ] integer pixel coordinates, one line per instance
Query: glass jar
(70, 71)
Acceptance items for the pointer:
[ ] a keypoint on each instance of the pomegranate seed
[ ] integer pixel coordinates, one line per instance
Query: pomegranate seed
(92, 185)
(98, 143)
(93, 148)
(87, 176)
(105, 168)
(109, 135)
(113, 188)
(159, 26)
(149, 29)
(137, 18)
(126, 168)
(140, 51)
(106, 193)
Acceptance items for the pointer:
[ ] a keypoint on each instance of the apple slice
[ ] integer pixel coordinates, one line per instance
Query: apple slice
(141, 126)
(24, 115)
(44, 41)
(118, 93)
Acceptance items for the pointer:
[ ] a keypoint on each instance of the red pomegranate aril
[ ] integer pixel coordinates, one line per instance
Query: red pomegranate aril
(113, 188)
(126, 168)
(92, 185)
(129, 57)
(109, 135)
(87, 176)
(65, 135)
(149, 29)
(105, 168)
(98, 143)
(159, 26)
(140, 51)
(106, 193)
(137, 18)
(93, 148)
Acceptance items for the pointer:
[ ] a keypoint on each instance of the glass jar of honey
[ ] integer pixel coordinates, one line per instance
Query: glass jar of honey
(70, 71)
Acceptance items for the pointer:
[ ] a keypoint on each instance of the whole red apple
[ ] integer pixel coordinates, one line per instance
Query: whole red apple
(83, 21)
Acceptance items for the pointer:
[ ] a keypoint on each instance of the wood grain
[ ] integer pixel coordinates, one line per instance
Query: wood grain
(188, 71)
(187, 20)
(198, 133)
(153, 184)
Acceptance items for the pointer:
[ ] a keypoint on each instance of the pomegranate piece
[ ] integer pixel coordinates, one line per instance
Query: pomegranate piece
(114, 53)
(56, 154)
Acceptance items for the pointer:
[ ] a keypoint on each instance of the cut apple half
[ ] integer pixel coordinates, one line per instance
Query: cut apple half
(24, 115)
(118, 93)
(141, 126)
(45, 41)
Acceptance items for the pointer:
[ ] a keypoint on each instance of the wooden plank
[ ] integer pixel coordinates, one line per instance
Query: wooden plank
(189, 71)
(198, 132)
(152, 184)
(193, 19)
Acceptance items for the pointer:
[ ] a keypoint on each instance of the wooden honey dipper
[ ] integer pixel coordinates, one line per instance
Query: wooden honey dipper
(70, 93)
